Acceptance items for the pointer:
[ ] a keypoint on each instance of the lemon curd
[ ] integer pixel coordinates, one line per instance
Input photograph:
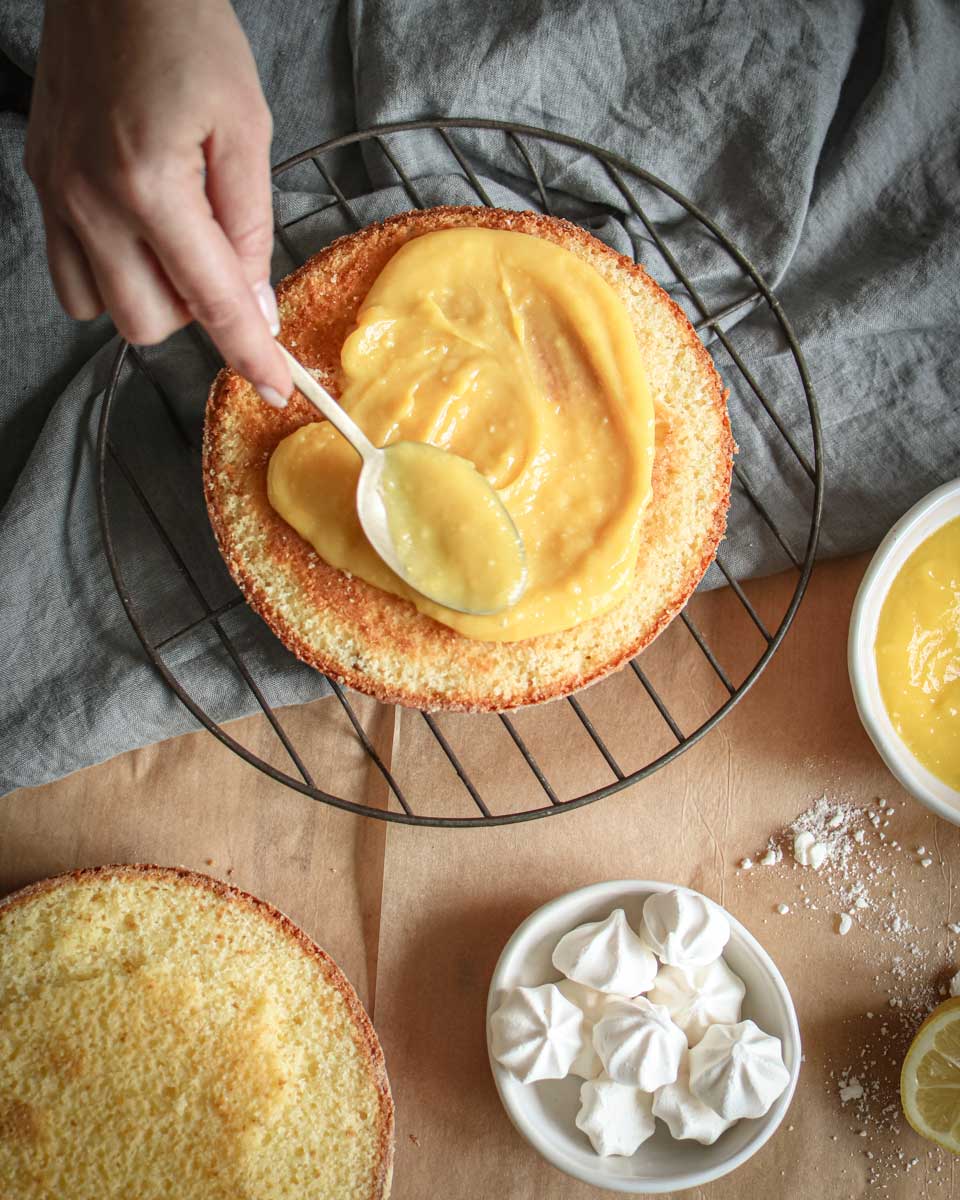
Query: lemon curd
(918, 653)
(452, 535)
(513, 353)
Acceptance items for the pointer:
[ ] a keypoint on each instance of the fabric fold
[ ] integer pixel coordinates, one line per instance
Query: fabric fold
(823, 140)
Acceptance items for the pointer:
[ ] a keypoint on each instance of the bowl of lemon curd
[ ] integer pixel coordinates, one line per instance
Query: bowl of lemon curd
(903, 652)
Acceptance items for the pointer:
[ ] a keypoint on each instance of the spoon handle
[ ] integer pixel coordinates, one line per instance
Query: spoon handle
(321, 399)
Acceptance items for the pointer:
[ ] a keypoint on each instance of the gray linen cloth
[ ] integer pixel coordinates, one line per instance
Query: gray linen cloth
(822, 137)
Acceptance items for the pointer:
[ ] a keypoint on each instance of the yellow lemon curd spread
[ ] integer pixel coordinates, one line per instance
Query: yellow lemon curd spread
(511, 352)
(453, 536)
(918, 653)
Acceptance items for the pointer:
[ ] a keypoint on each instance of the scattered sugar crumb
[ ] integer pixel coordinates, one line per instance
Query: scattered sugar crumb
(859, 880)
(808, 851)
(850, 1090)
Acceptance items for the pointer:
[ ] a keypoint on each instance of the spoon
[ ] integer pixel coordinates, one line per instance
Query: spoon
(452, 540)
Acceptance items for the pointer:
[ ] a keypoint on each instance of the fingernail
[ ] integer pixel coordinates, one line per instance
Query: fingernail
(271, 396)
(268, 305)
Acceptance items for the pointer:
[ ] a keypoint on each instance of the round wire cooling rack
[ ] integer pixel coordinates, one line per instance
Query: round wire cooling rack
(169, 570)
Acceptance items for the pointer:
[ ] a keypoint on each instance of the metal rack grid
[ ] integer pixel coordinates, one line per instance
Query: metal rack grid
(403, 807)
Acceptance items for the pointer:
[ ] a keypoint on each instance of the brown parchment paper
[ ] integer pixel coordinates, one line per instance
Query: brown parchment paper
(191, 802)
(417, 917)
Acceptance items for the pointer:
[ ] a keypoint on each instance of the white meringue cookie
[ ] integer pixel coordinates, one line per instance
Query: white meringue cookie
(587, 1064)
(536, 1033)
(685, 1115)
(606, 955)
(617, 1119)
(685, 929)
(638, 1044)
(738, 1070)
(698, 997)
(592, 1004)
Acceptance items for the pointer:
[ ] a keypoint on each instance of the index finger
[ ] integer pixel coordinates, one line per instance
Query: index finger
(206, 272)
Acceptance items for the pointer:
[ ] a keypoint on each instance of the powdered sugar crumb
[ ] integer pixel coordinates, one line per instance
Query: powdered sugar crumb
(850, 1089)
(858, 883)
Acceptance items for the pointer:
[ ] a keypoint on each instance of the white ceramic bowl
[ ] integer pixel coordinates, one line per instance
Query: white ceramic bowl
(544, 1112)
(924, 519)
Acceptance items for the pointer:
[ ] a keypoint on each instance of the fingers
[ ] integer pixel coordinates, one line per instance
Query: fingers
(99, 260)
(72, 277)
(148, 248)
(144, 306)
(205, 270)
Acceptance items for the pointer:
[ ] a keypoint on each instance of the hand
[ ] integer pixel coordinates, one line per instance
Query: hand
(149, 146)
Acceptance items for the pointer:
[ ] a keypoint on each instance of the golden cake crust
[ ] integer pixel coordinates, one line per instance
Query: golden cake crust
(380, 644)
(367, 1041)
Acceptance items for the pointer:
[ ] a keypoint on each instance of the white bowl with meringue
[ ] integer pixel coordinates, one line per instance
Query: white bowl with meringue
(641, 1039)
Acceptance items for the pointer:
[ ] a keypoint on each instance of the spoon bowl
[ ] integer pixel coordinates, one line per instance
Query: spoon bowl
(436, 522)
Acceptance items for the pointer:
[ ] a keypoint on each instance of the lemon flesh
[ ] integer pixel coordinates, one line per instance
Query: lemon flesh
(930, 1079)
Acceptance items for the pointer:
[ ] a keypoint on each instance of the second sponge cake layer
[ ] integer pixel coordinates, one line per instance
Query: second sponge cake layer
(163, 1034)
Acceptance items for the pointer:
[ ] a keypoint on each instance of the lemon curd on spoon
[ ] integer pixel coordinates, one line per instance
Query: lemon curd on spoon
(918, 653)
(453, 536)
(514, 354)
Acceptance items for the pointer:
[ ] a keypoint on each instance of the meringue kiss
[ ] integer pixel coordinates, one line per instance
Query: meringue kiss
(607, 956)
(684, 1114)
(592, 1004)
(698, 997)
(738, 1070)
(536, 1033)
(617, 1119)
(638, 1044)
(684, 928)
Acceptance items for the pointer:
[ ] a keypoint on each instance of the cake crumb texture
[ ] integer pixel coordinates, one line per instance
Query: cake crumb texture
(163, 1034)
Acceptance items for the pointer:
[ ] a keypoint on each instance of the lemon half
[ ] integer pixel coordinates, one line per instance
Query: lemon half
(930, 1079)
